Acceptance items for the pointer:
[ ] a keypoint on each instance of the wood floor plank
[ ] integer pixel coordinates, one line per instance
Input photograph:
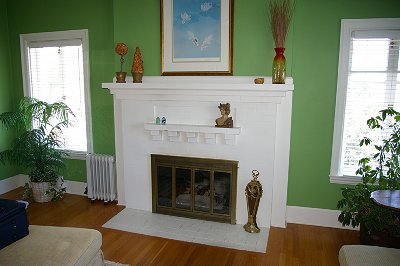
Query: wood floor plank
(294, 245)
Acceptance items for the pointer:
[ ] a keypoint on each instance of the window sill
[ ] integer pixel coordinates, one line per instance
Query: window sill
(76, 155)
(345, 180)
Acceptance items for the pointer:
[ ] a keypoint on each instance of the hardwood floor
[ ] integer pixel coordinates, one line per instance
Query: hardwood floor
(294, 245)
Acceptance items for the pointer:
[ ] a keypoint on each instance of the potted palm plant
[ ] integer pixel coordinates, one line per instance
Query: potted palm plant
(378, 226)
(37, 147)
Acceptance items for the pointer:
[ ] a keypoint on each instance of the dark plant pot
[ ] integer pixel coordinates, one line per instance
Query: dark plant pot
(376, 238)
(137, 77)
(120, 77)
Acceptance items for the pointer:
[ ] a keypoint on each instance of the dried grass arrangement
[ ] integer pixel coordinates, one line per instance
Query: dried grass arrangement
(281, 12)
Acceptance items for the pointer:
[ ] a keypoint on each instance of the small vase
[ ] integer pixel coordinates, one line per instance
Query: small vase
(120, 77)
(279, 67)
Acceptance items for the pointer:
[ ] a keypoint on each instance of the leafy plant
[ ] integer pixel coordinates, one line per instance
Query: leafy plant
(38, 144)
(356, 205)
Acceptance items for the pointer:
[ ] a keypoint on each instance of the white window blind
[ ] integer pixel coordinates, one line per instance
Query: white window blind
(54, 70)
(56, 74)
(373, 85)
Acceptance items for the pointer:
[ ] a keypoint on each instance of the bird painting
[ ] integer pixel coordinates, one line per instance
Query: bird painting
(193, 38)
(204, 45)
(185, 17)
(206, 42)
(206, 6)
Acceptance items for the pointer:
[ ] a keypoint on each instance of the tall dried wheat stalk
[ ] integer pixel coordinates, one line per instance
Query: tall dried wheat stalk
(281, 12)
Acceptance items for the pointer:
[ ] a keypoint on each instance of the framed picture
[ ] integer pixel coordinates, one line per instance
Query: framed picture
(196, 37)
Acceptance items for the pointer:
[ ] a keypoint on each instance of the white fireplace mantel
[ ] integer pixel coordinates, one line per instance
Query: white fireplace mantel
(212, 88)
(260, 138)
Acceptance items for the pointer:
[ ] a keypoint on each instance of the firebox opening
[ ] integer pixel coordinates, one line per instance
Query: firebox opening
(200, 188)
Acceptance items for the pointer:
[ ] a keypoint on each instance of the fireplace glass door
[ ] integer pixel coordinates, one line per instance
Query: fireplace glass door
(202, 191)
(194, 187)
(222, 187)
(183, 188)
(164, 183)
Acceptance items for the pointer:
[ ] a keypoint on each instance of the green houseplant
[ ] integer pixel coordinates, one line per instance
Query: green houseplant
(378, 226)
(37, 147)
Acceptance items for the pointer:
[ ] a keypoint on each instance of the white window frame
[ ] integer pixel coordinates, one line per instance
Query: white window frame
(347, 27)
(83, 35)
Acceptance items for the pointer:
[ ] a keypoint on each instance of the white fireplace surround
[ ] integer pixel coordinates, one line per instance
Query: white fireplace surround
(259, 140)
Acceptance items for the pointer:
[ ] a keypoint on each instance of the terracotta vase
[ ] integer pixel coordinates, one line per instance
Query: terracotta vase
(279, 67)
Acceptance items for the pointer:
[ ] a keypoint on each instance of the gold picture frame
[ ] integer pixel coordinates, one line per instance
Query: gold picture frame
(196, 37)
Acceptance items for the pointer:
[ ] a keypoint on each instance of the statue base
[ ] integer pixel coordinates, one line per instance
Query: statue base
(251, 226)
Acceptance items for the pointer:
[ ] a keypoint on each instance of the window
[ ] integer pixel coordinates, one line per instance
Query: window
(55, 68)
(368, 81)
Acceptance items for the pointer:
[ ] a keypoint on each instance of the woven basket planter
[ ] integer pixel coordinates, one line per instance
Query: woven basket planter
(39, 191)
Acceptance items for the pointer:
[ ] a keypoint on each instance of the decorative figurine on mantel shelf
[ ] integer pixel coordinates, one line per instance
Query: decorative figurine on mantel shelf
(224, 120)
(137, 67)
(121, 49)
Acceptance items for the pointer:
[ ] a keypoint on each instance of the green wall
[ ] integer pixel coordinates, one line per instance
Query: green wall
(6, 87)
(137, 23)
(26, 16)
(315, 62)
(312, 54)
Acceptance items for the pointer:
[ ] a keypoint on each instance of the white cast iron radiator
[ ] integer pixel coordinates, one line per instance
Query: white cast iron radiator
(101, 177)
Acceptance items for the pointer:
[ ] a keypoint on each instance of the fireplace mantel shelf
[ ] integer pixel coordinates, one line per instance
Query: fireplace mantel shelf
(208, 88)
(192, 133)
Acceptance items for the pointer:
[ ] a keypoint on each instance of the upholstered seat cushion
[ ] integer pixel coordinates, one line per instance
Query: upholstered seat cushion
(51, 245)
(359, 255)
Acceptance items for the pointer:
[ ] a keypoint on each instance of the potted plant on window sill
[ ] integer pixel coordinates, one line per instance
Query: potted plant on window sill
(37, 147)
(378, 226)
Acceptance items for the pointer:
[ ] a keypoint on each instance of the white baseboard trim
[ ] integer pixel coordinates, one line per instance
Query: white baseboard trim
(314, 216)
(294, 214)
(11, 183)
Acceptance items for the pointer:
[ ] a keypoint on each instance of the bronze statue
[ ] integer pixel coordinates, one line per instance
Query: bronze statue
(224, 120)
(253, 195)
